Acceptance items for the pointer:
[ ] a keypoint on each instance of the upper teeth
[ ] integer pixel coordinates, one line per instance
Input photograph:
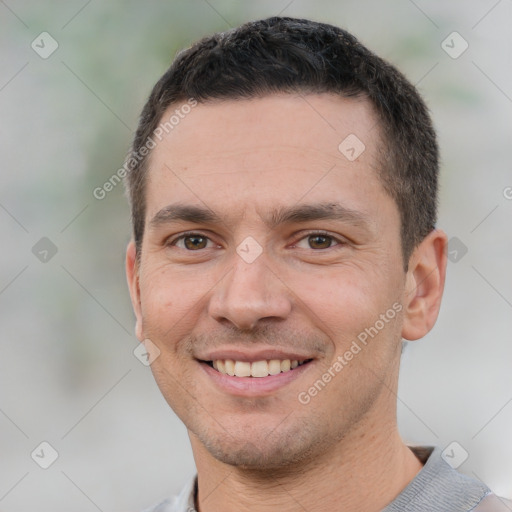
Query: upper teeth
(255, 369)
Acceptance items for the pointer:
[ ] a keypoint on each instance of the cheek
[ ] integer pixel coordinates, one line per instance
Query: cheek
(342, 298)
(165, 288)
(347, 305)
(164, 300)
(172, 300)
(158, 301)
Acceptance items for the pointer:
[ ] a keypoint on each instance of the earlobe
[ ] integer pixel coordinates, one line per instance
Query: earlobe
(132, 277)
(424, 285)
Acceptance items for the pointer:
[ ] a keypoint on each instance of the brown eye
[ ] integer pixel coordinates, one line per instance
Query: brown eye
(193, 242)
(319, 241)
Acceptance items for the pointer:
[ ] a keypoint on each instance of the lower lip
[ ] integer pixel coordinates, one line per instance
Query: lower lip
(253, 386)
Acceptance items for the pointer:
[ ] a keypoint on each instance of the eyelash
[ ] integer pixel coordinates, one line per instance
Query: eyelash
(339, 241)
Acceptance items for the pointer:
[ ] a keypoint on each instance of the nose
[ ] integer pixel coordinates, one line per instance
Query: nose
(248, 294)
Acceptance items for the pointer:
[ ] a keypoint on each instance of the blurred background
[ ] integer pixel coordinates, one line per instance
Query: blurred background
(73, 78)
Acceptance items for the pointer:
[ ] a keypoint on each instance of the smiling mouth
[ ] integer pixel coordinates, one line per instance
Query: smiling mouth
(256, 369)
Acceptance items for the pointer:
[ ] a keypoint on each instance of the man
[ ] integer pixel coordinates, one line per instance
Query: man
(283, 186)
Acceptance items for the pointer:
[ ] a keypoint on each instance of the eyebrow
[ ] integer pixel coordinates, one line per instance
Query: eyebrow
(316, 211)
(282, 215)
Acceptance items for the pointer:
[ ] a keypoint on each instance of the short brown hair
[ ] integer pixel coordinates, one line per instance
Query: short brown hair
(290, 55)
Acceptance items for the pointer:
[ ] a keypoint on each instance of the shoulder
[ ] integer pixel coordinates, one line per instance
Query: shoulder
(164, 506)
(492, 503)
(184, 502)
(440, 487)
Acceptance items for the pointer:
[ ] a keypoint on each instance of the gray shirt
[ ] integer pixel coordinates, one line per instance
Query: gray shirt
(436, 488)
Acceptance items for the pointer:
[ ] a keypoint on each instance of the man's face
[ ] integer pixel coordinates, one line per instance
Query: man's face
(265, 277)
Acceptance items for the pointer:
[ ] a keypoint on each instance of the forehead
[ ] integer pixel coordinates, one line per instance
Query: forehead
(315, 121)
(264, 150)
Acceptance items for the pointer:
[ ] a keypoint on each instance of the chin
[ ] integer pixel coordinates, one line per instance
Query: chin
(252, 457)
(272, 449)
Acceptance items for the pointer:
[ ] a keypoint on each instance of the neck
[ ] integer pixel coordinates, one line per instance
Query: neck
(363, 471)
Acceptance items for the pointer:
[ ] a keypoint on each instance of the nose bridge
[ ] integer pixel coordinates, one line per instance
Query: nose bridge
(249, 292)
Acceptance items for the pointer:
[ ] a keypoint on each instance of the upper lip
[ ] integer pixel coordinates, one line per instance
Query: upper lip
(252, 356)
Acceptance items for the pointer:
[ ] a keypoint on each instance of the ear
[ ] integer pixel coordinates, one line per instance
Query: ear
(424, 285)
(132, 276)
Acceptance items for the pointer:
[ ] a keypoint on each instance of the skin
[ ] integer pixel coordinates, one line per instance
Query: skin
(243, 159)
